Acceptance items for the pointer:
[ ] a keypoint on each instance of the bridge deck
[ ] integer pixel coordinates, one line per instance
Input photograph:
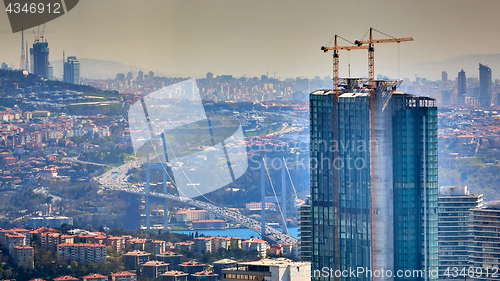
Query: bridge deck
(271, 233)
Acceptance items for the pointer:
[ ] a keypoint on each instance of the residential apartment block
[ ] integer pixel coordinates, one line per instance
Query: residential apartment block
(82, 253)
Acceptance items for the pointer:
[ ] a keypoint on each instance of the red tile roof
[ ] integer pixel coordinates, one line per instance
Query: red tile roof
(174, 273)
(123, 273)
(65, 278)
(94, 276)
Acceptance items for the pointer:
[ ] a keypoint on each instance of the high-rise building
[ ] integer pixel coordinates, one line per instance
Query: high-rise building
(129, 77)
(305, 230)
(445, 97)
(484, 85)
(81, 253)
(373, 217)
(153, 269)
(140, 76)
(444, 76)
(151, 76)
(72, 71)
(40, 59)
(120, 77)
(173, 259)
(484, 254)
(23, 256)
(133, 260)
(462, 88)
(51, 73)
(454, 204)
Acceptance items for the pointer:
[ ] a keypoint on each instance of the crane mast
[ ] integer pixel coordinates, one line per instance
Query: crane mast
(371, 82)
(371, 54)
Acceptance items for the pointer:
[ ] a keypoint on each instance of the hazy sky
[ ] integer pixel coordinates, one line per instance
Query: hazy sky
(192, 37)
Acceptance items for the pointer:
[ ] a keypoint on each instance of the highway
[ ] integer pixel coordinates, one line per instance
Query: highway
(118, 175)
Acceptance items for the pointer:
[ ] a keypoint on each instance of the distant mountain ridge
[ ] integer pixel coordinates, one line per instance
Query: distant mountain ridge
(103, 69)
(97, 69)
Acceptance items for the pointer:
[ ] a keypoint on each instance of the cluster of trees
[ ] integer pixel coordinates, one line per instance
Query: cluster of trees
(480, 173)
(235, 254)
(47, 267)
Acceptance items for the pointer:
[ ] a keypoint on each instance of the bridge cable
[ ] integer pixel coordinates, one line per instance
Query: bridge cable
(289, 176)
(164, 168)
(276, 197)
(216, 205)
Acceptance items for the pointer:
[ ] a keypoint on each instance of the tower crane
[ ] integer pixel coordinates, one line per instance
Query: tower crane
(335, 50)
(371, 54)
(371, 83)
(336, 90)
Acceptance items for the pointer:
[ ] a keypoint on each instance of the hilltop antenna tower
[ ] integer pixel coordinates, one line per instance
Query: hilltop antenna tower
(22, 62)
(26, 59)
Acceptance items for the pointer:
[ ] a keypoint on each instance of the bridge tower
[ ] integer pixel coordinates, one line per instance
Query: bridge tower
(161, 166)
(281, 201)
(263, 200)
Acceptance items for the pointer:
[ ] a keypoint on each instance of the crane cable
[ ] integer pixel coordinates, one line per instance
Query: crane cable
(399, 66)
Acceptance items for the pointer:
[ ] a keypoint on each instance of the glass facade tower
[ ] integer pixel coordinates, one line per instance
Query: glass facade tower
(484, 85)
(376, 218)
(72, 71)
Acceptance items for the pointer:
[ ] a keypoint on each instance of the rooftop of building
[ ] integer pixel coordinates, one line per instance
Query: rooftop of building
(254, 240)
(185, 243)
(23, 247)
(16, 230)
(204, 238)
(94, 276)
(224, 261)
(155, 263)
(137, 253)
(271, 262)
(81, 245)
(65, 278)
(123, 273)
(204, 273)
(174, 273)
(191, 263)
(15, 235)
(454, 190)
(169, 254)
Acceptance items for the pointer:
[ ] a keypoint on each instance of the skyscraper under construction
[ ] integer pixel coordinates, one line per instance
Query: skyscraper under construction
(373, 183)
(40, 58)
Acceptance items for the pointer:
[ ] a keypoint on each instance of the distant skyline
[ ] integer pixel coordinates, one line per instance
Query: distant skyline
(192, 37)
